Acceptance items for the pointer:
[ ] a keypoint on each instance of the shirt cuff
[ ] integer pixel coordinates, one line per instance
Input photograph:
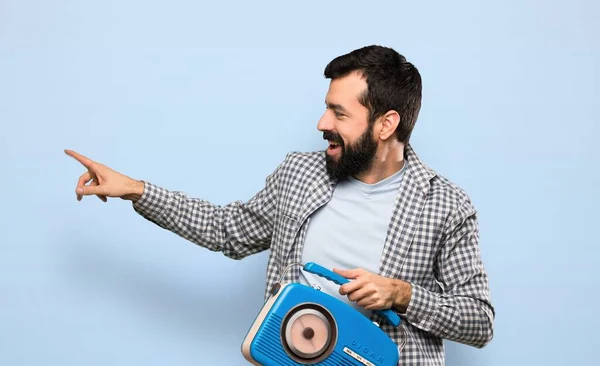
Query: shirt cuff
(153, 202)
(421, 307)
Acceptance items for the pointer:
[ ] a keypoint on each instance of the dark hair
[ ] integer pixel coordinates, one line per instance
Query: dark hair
(392, 84)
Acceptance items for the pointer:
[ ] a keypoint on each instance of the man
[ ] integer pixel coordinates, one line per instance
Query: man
(367, 207)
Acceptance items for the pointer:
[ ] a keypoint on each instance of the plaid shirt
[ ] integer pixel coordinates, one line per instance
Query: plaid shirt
(432, 243)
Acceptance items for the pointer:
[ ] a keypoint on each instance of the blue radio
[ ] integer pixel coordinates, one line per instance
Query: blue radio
(300, 325)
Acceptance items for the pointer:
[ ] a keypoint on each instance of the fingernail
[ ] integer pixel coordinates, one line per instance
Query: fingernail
(79, 190)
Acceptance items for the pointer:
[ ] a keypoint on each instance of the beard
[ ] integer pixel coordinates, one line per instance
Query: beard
(354, 158)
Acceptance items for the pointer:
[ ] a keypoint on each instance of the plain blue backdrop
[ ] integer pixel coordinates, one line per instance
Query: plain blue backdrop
(208, 97)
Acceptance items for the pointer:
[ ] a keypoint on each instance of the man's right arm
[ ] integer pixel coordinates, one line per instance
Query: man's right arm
(238, 229)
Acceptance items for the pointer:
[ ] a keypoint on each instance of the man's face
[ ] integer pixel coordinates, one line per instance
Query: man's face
(345, 125)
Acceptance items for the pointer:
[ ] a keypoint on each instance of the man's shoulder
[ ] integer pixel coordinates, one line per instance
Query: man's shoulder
(443, 188)
(442, 192)
(307, 156)
(301, 161)
(299, 170)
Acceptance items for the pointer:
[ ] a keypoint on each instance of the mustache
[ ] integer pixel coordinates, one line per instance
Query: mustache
(334, 137)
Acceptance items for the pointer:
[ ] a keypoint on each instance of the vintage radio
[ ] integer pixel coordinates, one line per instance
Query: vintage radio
(301, 325)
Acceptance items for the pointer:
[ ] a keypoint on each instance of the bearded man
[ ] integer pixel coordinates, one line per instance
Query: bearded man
(367, 207)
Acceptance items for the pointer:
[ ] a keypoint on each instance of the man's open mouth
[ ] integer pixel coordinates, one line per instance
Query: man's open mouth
(333, 147)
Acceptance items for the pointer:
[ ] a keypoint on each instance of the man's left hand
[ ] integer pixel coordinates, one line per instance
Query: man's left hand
(374, 292)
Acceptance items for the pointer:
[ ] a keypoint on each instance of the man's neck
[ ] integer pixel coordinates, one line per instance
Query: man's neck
(387, 162)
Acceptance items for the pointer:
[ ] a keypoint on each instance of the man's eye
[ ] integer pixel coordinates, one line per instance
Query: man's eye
(338, 114)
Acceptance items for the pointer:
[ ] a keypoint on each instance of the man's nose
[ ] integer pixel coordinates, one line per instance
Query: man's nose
(325, 123)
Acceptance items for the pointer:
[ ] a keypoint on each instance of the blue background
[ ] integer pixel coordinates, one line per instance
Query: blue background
(207, 98)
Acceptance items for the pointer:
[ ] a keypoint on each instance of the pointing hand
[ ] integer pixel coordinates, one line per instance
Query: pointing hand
(105, 182)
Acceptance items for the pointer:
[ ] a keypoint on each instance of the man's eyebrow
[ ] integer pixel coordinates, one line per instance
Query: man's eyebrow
(336, 107)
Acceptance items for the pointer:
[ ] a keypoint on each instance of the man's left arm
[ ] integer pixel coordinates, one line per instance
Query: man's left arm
(463, 311)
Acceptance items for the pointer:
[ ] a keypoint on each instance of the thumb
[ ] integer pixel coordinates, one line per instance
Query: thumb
(88, 190)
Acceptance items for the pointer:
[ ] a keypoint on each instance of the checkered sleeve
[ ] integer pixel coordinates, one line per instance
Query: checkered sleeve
(237, 230)
(463, 311)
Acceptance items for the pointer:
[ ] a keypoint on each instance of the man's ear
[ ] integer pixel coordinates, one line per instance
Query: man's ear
(389, 124)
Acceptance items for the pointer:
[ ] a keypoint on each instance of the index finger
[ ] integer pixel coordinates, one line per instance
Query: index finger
(80, 158)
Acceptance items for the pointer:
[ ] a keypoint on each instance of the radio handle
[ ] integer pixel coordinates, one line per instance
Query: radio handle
(312, 267)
